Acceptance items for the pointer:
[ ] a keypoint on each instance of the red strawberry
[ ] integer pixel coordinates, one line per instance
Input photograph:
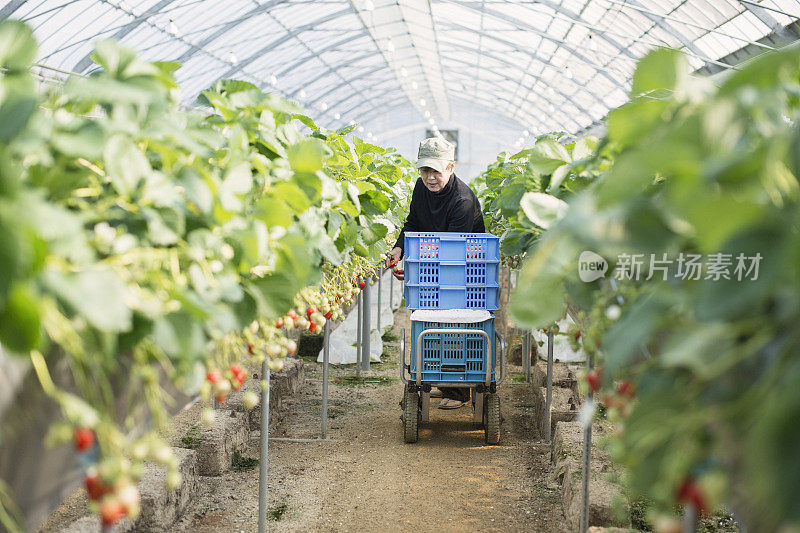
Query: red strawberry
(84, 439)
(279, 323)
(95, 488)
(214, 376)
(310, 311)
(312, 327)
(328, 315)
(626, 388)
(593, 378)
(362, 284)
(111, 511)
(689, 492)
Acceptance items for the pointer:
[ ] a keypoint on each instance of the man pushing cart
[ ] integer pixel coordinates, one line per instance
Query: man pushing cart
(451, 281)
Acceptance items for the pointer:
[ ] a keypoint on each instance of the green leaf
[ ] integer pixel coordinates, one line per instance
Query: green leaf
(16, 109)
(391, 174)
(308, 155)
(558, 177)
(516, 241)
(180, 335)
(274, 212)
(374, 202)
(311, 184)
(346, 129)
(86, 142)
(125, 163)
(373, 233)
(307, 121)
(112, 56)
(98, 294)
(360, 249)
(633, 121)
(19, 321)
(664, 68)
(291, 195)
(274, 293)
(17, 46)
(543, 209)
(509, 199)
(547, 155)
(585, 147)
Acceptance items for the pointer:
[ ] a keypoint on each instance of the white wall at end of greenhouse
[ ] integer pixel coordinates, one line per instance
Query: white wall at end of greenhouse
(482, 136)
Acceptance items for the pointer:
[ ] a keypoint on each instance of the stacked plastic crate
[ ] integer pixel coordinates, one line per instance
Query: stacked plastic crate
(453, 275)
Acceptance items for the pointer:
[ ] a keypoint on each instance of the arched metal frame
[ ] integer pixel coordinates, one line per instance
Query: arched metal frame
(640, 28)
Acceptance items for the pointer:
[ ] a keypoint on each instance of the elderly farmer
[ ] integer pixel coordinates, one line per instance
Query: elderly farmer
(440, 202)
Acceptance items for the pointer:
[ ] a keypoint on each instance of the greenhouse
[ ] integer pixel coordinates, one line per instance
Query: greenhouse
(563, 235)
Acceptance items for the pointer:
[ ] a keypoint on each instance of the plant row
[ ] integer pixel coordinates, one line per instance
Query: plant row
(143, 243)
(679, 257)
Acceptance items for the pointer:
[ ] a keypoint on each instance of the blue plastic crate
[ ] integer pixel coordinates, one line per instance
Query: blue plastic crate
(445, 246)
(452, 297)
(466, 273)
(453, 357)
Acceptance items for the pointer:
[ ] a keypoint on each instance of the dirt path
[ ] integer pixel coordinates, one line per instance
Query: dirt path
(365, 478)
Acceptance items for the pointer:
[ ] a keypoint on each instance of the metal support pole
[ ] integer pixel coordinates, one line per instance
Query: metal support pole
(689, 519)
(527, 355)
(365, 329)
(262, 470)
(378, 321)
(549, 399)
(326, 354)
(587, 448)
(391, 291)
(508, 292)
(358, 334)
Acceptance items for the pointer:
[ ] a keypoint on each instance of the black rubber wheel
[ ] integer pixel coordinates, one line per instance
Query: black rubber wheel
(412, 416)
(491, 418)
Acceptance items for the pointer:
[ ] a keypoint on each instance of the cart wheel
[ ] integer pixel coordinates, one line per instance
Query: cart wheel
(491, 418)
(411, 417)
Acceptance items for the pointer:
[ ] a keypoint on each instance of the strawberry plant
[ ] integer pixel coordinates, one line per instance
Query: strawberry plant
(702, 370)
(142, 242)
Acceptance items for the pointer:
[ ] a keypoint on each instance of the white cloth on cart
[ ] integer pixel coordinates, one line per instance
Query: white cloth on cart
(343, 338)
(451, 316)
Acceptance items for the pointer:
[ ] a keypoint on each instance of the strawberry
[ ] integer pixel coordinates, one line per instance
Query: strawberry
(250, 400)
(310, 311)
(111, 511)
(328, 315)
(291, 346)
(84, 439)
(312, 327)
(593, 378)
(221, 389)
(362, 284)
(214, 376)
(626, 388)
(689, 492)
(279, 323)
(95, 488)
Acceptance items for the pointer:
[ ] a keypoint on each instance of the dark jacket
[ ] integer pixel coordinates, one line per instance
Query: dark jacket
(455, 208)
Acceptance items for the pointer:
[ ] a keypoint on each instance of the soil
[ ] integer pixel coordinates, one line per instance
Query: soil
(365, 478)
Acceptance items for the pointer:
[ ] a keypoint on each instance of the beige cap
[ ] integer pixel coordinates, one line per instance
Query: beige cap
(436, 153)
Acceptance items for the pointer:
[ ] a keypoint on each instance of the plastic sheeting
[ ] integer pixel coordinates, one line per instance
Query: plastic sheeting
(343, 338)
(562, 352)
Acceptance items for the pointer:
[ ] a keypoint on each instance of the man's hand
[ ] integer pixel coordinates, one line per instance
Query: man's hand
(394, 257)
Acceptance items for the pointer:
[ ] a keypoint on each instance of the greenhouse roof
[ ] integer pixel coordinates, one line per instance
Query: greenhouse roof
(534, 66)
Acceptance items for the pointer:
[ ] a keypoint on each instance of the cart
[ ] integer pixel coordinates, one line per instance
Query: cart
(452, 353)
